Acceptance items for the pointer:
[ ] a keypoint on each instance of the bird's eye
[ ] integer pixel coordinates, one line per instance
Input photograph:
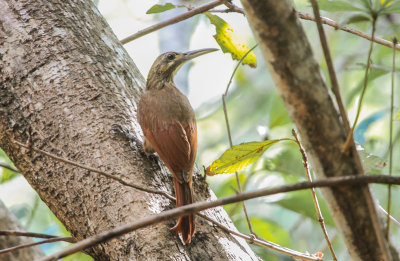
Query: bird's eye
(171, 56)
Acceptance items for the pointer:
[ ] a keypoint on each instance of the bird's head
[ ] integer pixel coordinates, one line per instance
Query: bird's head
(167, 64)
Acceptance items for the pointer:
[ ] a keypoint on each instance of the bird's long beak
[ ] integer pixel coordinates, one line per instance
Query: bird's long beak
(193, 54)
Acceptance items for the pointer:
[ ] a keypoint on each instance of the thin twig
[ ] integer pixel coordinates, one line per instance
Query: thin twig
(24, 234)
(270, 245)
(5, 166)
(330, 22)
(391, 141)
(395, 221)
(229, 131)
(259, 241)
(348, 180)
(331, 68)
(314, 196)
(108, 175)
(348, 29)
(50, 240)
(349, 139)
(16, 233)
(173, 20)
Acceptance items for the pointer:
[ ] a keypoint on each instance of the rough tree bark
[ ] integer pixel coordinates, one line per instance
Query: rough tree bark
(298, 79)
(64, 80)
(9, 222)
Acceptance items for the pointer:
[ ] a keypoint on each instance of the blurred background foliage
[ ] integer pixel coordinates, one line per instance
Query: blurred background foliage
(256, 113)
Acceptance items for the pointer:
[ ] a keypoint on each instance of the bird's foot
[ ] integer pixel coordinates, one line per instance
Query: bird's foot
(133, 141)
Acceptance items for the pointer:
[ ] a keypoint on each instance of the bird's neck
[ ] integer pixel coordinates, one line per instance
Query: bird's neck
(157, 82)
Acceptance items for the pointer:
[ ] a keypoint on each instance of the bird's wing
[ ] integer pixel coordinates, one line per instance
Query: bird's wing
(176, 145)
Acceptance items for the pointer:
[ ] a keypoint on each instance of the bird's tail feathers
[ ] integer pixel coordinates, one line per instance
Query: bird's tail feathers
(186, 225)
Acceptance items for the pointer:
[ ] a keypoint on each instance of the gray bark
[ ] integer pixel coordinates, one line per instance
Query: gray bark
(9, 222)
(64, 80)
(298, 79)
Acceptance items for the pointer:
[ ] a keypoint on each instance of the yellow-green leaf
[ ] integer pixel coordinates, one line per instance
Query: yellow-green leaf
(161, 8)
(239, 156)
(230, 42)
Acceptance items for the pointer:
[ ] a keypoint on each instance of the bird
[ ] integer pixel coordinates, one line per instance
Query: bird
(169, 127)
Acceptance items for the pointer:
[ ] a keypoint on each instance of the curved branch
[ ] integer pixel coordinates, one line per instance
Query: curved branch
(173, 20)
(199, 206)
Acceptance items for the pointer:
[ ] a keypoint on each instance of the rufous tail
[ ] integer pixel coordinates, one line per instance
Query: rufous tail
(186, 225)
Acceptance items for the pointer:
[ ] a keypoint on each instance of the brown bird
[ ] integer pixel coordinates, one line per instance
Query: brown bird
(169, 127)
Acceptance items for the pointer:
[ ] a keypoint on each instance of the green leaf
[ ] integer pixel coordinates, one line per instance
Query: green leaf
(373, 74)
(230, 42)
(267, 230)
(339, 6)
(301, 202)
(161, 8)
(357, 18)
(7, 175)
(391, 8)
(239, 156)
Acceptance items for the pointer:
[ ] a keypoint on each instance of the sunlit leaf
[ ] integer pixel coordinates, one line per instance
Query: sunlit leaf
(239, 156)
(161, 8)
(339, 6)
(229, 41)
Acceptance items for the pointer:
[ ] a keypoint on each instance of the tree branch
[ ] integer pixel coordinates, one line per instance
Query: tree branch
(314, 196)
(348, 29)
(50, 240)
(199, 206)
(228, 128)
(264, 243)
(261, 242)
(173, 20)
(24, 234)
(306, 97)
(102, 173)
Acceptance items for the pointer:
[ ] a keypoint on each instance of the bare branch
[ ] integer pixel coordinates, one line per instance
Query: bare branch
(331, 68)
(50, 240)
(391, 140)
(229, 128)
(257, 241)
(173, 20)
(350, 139)
(314, 196)
(24, 234)
(199, 206)
(108, 175)
(261, 242)
(348, 29)
(329, 22)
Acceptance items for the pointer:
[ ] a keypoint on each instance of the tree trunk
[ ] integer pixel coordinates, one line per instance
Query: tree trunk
(65, 79)
(297, 76)
(9, 222)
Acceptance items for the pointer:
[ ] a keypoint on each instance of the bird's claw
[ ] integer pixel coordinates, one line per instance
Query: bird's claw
(118, 129)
